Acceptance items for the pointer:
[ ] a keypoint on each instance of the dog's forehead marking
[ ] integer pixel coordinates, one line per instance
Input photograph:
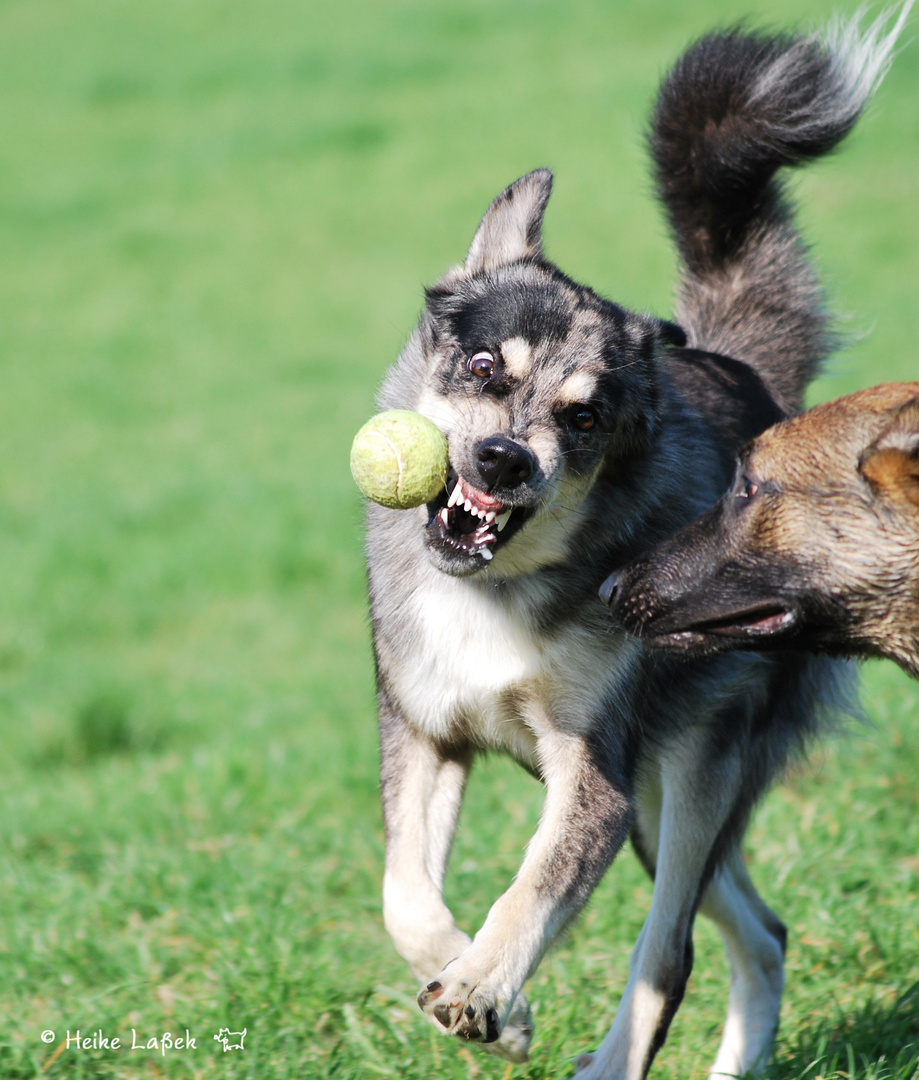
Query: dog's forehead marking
(580, 386)
(518, 356)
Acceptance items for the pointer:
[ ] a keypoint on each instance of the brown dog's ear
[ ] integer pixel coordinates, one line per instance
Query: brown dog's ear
(891, 463)
(512, 227)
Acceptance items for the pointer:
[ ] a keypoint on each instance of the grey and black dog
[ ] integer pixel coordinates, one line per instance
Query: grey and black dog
(581, 434)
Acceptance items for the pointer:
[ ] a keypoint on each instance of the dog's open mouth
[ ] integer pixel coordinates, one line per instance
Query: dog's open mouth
(470, 522)
(766, 618)
(754, 624)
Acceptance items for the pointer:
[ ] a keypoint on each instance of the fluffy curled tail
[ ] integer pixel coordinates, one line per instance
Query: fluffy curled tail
(735, 108)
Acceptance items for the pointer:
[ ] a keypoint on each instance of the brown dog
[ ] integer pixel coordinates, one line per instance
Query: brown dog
(816, 545)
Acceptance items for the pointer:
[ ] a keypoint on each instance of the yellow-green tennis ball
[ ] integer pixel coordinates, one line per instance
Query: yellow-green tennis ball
(399, 459)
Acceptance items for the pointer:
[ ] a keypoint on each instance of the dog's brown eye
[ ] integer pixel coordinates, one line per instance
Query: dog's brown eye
(482, 364)
(583, 419)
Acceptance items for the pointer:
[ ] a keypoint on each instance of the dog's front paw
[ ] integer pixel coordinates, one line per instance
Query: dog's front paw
(514, 1041)
(476, 1013)
(461, 1009)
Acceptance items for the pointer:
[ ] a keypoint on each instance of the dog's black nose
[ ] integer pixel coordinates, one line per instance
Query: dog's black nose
(608, 588)
(503, 463)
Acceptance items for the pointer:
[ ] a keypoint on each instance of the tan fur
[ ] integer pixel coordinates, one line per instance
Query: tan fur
(849, 504)
(518, 356)
(823, 523)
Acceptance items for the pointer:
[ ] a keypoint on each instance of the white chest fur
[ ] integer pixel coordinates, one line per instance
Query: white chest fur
(470, 662)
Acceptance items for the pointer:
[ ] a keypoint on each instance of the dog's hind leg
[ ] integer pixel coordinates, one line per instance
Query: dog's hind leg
(422, 789)
(754, 939)
(700, 792)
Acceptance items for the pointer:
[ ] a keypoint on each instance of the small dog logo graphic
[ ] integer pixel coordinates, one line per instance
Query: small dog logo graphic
(232, 1040)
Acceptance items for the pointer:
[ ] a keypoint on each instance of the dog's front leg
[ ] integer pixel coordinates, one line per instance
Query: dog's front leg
(422, 788)
(585, 820)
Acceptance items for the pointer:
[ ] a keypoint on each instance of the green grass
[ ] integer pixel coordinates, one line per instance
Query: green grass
(215, 222)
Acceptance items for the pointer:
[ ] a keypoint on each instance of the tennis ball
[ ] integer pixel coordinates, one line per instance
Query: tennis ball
(399, 459)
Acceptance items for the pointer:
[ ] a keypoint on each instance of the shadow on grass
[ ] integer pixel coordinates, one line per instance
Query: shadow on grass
(879, 1041)
(105, 725)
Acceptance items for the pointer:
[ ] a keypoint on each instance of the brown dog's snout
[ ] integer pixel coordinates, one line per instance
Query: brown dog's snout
(503, 463)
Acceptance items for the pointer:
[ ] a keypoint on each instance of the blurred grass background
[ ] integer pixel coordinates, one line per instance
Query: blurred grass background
(215, 222)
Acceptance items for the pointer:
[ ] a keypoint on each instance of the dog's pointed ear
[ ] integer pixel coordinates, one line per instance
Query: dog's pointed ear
(891, 463)
(512, 227)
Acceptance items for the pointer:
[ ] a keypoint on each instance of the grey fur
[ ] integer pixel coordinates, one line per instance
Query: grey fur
(591, 432)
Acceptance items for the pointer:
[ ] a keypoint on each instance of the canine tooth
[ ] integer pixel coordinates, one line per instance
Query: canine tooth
(487, 555)
(456, 495)
(444, 515)
(503, 519)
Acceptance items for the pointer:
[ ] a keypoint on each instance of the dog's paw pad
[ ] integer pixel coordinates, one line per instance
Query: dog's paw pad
(442, 1012)
(474, 1012)
(465, 1011)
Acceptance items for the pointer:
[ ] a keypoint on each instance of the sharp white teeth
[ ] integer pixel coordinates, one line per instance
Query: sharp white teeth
(444, 516)
(503, 519)
(467, 505)
(489, 517)
(456, 495)
(487, 555)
